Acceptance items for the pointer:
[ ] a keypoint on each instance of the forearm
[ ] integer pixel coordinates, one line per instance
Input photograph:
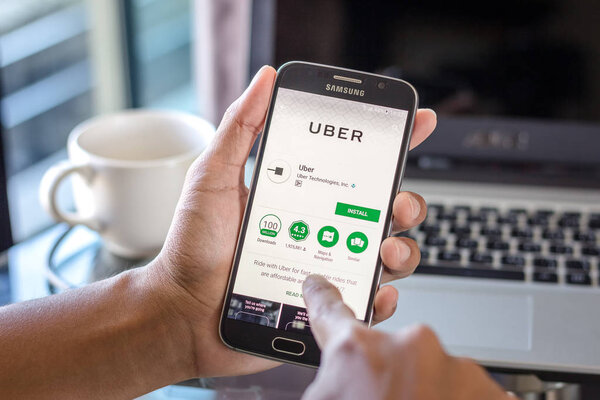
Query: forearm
(114, 339)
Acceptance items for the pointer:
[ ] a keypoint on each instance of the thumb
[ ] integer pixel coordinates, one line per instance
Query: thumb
(243, 121)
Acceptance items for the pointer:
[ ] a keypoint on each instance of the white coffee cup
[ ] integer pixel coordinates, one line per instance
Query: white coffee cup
(127, 173)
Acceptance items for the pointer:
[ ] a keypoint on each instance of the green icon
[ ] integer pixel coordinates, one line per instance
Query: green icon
(270, 225)
(299, 230)
(328, 236)
(352, 211)
(357, 242)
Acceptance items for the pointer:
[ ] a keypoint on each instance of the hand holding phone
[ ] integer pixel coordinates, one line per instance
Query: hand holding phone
(195, 262)
(329, 167)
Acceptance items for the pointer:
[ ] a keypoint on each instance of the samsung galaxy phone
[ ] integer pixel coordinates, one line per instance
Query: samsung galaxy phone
(330, 162)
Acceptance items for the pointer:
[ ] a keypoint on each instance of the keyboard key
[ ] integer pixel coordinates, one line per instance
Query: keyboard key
(522, 233)
(560, 248)
(553, 235)
(435, 241)
(451, 256)
(472, 272)
(481, 258)
(517, 211)
(584, 236)
(430, 229)
(590, 251)
(497, 245)
(513, 260)
(424, 255)
(447, 216)
(545, 276)
(530, 247)
(477, 218)
(569, 222)
(577, 264)
(466, 243)
(545, 262)
(461, 230)
(538, 220)
(510, 219)
(544, 213)
(579, 278)
(488, 231)
(594, 222)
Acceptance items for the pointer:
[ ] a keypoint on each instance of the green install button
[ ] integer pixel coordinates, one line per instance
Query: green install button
(349, 210)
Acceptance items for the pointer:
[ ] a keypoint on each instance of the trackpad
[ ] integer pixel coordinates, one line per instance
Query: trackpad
(468, 319)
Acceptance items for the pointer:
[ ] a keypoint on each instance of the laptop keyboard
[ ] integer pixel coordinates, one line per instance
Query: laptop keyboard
(521, 244)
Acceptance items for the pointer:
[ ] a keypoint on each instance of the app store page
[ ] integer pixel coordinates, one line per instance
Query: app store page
(320, 204)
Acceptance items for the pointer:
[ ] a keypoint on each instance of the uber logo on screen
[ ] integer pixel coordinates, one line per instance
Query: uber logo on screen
(337, 132)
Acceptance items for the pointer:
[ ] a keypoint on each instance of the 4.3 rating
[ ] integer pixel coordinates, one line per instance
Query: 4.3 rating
(299, 230)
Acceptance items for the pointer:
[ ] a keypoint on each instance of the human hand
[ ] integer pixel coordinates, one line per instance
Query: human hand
(194, 265)
(362, 363)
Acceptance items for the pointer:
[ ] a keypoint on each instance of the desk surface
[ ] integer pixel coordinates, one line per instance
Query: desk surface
(76, 258)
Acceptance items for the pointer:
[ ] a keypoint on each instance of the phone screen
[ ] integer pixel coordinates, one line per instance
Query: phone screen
(320, 204)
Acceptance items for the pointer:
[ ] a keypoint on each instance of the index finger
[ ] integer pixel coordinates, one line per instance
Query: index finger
(326, 310)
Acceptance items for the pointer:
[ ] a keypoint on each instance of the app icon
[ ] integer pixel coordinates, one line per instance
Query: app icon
(299, 230)
(328, 236)
(357, 242)
(279, 171)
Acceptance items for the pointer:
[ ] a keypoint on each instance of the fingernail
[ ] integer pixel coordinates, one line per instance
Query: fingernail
(257, 74)
(433, 111)
(415, 207)
(403, 251)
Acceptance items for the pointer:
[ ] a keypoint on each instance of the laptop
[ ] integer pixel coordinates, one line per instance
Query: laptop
(510, 249)
(509, 267)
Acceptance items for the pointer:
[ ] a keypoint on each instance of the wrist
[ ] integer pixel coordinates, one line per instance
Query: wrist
(192, 297)
(165, 316)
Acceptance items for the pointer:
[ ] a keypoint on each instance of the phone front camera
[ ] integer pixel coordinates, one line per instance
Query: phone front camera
(381, 85)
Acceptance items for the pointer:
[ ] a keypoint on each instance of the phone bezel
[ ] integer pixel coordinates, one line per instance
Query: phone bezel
(309, 77)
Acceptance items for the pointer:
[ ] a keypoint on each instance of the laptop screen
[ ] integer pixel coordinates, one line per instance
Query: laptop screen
(516, 85)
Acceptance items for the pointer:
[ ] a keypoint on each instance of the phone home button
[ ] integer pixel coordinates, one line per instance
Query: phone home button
(288, 346)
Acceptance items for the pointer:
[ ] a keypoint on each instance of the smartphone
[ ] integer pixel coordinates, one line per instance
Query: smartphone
(329, 165)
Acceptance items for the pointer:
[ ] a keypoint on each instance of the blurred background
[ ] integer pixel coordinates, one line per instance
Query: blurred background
(53, 57)
(515, 84)
(62, 61)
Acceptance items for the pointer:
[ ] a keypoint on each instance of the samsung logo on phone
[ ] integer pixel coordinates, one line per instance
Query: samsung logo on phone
(344, 89)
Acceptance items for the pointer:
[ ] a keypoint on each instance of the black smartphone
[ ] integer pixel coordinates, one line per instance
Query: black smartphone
(330, 163)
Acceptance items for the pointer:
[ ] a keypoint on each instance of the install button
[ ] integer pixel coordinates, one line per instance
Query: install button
(348, 210)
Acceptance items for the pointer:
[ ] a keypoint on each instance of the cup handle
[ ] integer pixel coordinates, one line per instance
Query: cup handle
(49, 186)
